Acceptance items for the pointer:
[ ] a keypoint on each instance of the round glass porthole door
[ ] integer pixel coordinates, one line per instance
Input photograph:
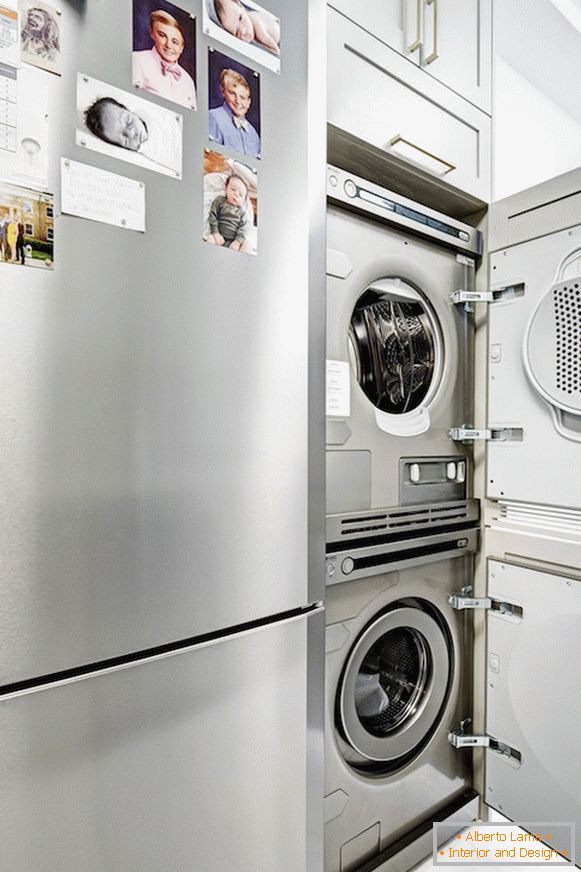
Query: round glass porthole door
(395, 346)
(394, 688)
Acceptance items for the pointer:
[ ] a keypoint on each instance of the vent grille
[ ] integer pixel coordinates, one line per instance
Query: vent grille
(544, 518)
(567, 308)
(398, 520)
(398, 525)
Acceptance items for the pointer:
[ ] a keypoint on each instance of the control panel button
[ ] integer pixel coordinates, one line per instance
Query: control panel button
(348, 566)
(461, 477)
(415, 472)
(350, 188)
(451, 471)
(333, 181)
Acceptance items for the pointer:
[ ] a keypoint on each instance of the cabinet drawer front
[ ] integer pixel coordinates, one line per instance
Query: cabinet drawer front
(397, 23)
(380, 97)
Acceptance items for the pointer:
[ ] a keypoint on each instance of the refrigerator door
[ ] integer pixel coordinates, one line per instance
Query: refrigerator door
(534, 696)
(156, 435)
(195, 761)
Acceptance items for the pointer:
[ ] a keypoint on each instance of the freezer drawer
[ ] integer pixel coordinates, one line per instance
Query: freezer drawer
(197, 761)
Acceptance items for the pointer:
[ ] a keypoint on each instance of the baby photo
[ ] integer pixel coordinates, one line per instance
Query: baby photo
(234, 101)
(164, 51)
(40, 35)
(230, 203)
(246, 27)
(127, 127)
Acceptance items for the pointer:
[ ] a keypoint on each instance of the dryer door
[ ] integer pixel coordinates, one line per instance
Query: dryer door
(534, 696)
(534, 378)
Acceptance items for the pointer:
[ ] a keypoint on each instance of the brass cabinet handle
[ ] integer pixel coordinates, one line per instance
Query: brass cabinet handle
(436, 46)
(428, 160)
(419, 40)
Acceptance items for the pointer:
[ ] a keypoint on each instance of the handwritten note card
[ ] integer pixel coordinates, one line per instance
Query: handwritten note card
(88, 192)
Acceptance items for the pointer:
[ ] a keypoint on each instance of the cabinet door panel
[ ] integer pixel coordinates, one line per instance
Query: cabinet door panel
(457, 47)
(397, 23)
(380, 98)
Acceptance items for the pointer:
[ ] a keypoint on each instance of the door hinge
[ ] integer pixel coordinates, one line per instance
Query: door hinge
(460, 740)
(508, 293)
(464, 600)
(459, 602)
(492, 434)
(471, 297)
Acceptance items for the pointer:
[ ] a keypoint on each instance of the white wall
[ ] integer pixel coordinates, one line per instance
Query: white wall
(534, 139)
(537, 108)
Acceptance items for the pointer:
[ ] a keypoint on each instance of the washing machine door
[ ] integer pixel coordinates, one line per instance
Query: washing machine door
(394, 687)
(533, 698)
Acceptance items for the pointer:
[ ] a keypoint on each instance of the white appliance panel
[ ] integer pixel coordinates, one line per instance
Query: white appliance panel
(533, 695)
(543, 467)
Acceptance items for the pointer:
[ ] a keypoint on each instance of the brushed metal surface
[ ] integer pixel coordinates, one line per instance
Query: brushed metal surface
(155, 428)
(186, 762)
(376, 252)
(401, 800)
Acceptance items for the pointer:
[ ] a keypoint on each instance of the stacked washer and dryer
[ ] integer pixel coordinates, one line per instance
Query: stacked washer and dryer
(402, 527)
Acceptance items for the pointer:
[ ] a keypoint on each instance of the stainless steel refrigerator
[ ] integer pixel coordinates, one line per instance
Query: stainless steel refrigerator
(162, 494)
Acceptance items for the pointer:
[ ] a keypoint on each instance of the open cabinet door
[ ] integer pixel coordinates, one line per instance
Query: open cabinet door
(534, 352)
(534, 696)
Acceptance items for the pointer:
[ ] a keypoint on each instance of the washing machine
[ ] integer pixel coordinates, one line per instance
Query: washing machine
(399, 350)
(398, 681)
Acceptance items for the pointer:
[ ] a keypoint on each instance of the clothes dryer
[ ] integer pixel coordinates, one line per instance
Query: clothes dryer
(399, 349)
(398, 667)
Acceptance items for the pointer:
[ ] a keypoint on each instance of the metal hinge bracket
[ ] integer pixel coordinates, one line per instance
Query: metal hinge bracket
(461, 740)
(471, 297)
(493, 434)
(508, 293)
(467, 602)
(463, 600)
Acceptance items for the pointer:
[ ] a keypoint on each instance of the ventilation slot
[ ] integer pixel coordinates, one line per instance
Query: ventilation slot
(363, 529)
(567, 306)
(368, 518)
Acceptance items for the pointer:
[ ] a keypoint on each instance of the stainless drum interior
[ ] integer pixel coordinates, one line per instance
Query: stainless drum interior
(395, 346)
(394, 687)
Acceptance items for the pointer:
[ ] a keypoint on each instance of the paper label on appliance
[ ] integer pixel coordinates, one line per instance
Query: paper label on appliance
(467, 261)
(338, 391)
(89, 192)
(9, 36)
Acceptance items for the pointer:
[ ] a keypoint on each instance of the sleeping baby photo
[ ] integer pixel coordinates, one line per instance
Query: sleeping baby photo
(247, 27)
(230, 204)
(127, 127)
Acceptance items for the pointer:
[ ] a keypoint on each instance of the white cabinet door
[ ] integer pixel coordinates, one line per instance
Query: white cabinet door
(377, 96)
(457, 47)
(398, 23)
